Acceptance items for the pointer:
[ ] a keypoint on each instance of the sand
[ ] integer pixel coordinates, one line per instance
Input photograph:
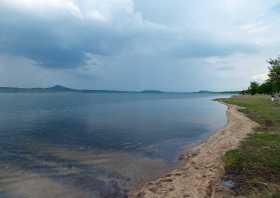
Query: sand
(201, 174)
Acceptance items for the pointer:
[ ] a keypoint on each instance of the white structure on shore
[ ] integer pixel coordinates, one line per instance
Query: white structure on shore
(275, 97)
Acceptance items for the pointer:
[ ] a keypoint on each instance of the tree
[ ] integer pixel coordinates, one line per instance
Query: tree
(272, 84)
(254, 88)
(265, 88)
(274, 74)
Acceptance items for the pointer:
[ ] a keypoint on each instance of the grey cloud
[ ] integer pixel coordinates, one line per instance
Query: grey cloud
(276, 8)
(53, 44)
(148, 44)
(64, 43)
(225, 68)
(208, 48)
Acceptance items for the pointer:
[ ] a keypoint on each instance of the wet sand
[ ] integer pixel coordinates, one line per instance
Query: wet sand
(201, 174)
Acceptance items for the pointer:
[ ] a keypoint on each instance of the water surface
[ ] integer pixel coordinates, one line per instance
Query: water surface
(96, 145)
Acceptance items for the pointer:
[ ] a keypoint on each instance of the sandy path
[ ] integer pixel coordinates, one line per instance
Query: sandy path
(202, 172)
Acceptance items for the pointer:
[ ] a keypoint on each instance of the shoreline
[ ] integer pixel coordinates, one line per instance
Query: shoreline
(202, 169)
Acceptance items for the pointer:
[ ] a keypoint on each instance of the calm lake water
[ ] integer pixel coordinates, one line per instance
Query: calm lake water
(76, 145)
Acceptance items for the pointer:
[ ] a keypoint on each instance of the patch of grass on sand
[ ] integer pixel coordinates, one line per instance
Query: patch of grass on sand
(255, 165)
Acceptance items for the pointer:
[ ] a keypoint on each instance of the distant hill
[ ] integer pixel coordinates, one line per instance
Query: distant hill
(56, 88)
(59, 88)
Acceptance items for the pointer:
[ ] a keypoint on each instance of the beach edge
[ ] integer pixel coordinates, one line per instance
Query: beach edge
(202, 169)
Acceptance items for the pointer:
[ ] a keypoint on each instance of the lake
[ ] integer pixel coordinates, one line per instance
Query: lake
(98, 145)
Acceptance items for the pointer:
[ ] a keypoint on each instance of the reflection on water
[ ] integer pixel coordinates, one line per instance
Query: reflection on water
(96, 145)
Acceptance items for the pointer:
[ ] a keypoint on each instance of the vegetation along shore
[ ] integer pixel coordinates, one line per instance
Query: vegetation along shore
(255, 166)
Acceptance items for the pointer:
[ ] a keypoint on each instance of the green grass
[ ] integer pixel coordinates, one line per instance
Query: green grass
(255, 165)
(260, 109)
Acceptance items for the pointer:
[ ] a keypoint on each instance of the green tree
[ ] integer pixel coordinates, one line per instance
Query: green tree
(265, 88)
(274, 74)
(254, 88)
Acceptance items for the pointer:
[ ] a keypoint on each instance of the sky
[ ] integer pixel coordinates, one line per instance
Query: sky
(171, 45)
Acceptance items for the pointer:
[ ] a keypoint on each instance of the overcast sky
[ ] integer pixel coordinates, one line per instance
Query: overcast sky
(175, 45)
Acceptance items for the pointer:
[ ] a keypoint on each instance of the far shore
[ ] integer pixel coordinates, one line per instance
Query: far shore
(202, 170)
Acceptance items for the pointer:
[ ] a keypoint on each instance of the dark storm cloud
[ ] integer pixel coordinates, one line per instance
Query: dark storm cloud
(59, 44)
(66, 41)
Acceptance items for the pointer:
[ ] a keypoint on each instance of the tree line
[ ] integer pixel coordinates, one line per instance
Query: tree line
(271, 85)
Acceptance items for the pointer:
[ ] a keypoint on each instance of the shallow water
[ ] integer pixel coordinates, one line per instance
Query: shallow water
(96, 145)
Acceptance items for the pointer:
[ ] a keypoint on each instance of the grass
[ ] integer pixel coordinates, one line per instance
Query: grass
(260, 109)
(255, 165)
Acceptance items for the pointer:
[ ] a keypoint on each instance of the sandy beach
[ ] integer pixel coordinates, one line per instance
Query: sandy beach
(201, 174)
